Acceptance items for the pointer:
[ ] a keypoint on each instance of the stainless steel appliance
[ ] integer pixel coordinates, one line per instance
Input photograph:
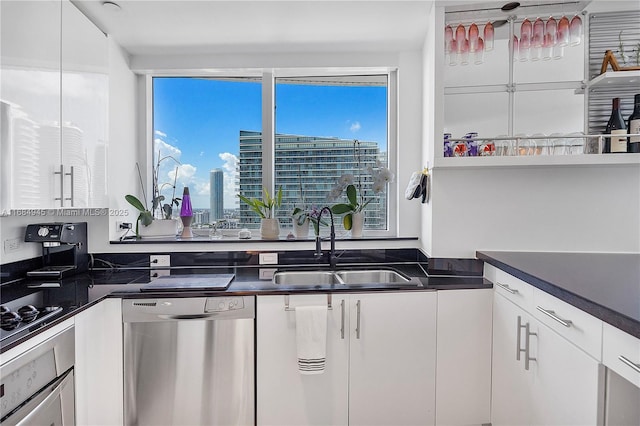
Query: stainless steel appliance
(36, 387)
(64, 248)
(189, 361)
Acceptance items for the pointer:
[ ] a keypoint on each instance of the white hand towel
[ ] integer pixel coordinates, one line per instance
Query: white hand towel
(311, 338)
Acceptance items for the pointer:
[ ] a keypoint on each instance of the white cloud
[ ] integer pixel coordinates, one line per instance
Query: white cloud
(229, 169)
(161, 134)
(203, 188)
(185, 173)
(355, 126)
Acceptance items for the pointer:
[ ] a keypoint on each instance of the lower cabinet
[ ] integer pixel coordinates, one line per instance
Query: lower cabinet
(98, 364)
(380, 366)
(539, 377)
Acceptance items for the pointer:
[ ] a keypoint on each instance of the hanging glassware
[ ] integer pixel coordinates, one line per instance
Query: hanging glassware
(563, 31)
(453, 55)
(478, 55)
(474, 33)
(551, 30)
(538, 33)
(515, 46)
(488, 33)
(575, 31)
(547, 48)
(464, 51)
(448, 36)
(526, 33)
(461, 34)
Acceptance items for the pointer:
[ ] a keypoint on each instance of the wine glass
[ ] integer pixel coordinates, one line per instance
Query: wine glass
(464, 51)
(473, 37)
(526, 32)
(448, 36)
(551, 30)
(461, 34)
(478, 55)
(575, 31)
(488, 33)
(515, 46)
(453, 55)
(563, 31)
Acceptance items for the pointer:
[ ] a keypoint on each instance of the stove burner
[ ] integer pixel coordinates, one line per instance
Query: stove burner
(26, 317)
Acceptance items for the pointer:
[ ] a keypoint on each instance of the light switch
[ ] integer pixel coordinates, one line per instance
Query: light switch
(268, 258)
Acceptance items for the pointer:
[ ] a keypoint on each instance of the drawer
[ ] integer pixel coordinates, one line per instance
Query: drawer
(514, 289)
(577, 326)
(621, 353)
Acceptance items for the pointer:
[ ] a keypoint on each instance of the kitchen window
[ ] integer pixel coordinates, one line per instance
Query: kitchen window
(208, 135)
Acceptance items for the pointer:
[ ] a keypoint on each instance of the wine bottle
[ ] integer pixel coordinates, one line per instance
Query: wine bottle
(633, 124)
(616, 128)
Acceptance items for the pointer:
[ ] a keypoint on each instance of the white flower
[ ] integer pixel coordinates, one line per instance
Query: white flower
(386, 174)
(346, 179)
(378, 185)
(335, 192)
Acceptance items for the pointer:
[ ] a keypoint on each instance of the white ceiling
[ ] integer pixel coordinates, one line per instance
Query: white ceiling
(153, 27)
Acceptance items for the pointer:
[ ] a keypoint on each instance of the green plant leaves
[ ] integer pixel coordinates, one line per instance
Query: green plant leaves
(341, 208)
(135, 202)
(351, 195)
(347, 221)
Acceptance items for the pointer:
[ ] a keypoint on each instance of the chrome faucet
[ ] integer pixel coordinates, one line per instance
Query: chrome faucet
(332, 251)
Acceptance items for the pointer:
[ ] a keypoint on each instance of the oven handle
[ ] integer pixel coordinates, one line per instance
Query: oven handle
(42, 400)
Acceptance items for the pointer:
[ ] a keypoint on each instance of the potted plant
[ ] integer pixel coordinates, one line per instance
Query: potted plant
(269, 225)
(353, 210)
(157, 221)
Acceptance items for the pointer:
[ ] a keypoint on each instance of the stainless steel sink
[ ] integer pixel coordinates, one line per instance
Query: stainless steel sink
(306, 278)
(372, 276)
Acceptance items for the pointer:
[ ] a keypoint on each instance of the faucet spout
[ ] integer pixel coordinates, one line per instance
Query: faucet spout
(332, 235)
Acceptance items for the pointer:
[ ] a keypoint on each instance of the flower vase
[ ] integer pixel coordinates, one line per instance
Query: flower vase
(159, 228)
(357, 223)
(269, 229)
(186, 214)
(301, 231)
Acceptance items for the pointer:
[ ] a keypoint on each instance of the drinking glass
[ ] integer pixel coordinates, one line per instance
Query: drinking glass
(524, 145)
(504, 146)
(547, 48)
(526, 32)
(576, 144)
(461, 34)
(538, 33)
(558, 144)
(541, 144)
(563, 31)
(473, 37)
(448, 36)
(478, 55)
(464, 52)
(488, 33)
(551, 30)
(453, 55)
(575, 31)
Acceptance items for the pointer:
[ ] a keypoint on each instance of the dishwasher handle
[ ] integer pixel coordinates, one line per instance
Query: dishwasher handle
(221, 307)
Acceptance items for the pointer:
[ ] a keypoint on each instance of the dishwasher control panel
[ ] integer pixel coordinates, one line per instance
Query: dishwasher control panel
(223, 304)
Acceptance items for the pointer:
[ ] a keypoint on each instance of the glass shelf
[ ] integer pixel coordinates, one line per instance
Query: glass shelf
(538, 160)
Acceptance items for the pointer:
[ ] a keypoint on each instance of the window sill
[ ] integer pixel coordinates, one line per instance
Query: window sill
(252, 240)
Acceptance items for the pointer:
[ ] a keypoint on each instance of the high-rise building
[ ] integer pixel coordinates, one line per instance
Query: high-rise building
(307, 168)
(216, 195)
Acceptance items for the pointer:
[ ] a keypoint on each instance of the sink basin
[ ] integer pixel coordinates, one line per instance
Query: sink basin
(372, 276)
(306, 278)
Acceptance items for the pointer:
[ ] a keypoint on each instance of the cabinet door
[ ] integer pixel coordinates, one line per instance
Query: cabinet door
(284, 396)
(85, 87)
(98, 364)
(565, 381)
(392, 358)
(30, 102)
(463, 375)
(511, 386)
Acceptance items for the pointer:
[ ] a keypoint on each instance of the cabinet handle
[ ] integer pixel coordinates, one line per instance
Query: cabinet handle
(342, 319)
(527, 358)
(518, 337)
(61, 173)
(507, 288)
(358, 319)
(552, 314)
(630, 363)
(70, 174)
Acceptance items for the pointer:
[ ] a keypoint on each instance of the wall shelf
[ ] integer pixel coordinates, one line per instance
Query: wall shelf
(538, 161)
(615, 79)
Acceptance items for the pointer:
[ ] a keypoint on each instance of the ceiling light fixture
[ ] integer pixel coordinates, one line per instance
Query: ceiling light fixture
(510, 6)
(111, 6)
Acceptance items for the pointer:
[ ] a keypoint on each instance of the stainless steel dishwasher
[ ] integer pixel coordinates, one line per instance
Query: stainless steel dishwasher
(189, 361)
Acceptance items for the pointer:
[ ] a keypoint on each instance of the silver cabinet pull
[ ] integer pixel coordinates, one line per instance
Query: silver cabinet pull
(552, 314)
(630, 363)
(507, 288)
(70, 174)
(342, 319)
(518, 337)
(528, 358)
(358, 319)
(61, 197)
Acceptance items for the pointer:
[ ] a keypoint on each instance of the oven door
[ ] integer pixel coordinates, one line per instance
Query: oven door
(53, 405)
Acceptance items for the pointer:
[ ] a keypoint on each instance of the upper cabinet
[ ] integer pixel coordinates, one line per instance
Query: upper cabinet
(54, 107)
(514, 83)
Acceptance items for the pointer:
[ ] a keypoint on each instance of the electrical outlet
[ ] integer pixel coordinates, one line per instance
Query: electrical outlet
(159, 260)
(267, 273)
(123, 225)
(268, 258)
(11, 244)
(159, 273)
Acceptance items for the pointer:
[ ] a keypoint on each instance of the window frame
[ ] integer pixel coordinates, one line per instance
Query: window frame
(268, 79)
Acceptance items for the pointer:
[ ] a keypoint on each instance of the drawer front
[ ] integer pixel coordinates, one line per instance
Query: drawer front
(577, 326)
(621, 353)
(514, 289)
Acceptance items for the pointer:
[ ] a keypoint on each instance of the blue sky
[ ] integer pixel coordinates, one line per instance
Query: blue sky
(197, 121)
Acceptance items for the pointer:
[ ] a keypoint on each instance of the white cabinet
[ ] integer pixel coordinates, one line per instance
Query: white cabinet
(54, 107)
(540, 376)
(463, 375)
(380, 371)
(98, 364)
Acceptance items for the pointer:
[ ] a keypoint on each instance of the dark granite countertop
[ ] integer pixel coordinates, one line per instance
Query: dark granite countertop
(78, 292)
(606, 285)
